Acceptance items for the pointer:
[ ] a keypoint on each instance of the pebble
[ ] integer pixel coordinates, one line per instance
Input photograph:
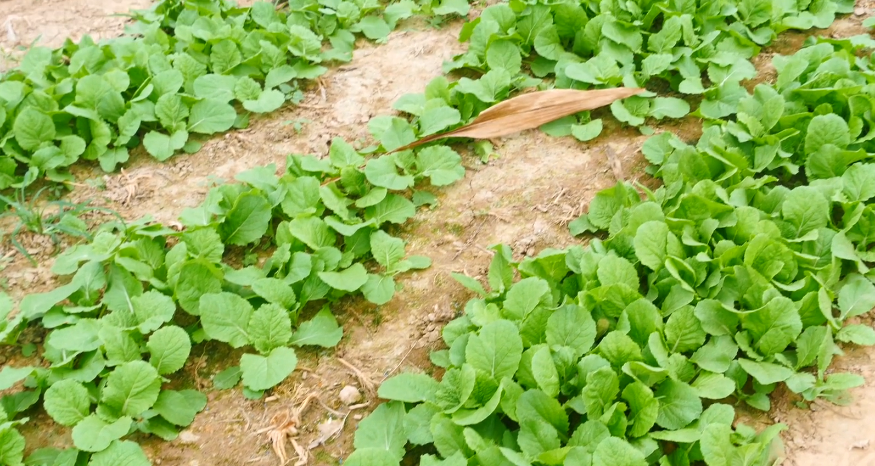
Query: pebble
(350, 395)
(188, 437)
(859, 11)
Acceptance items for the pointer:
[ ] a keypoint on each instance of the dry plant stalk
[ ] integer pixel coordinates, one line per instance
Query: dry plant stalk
(529, 111)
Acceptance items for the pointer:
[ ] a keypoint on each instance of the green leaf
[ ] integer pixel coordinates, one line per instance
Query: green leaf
(322, 330)
(617, 270)
(496, 350)
(211, 116)
(247, 89)
(857, 334)
(11, 447)
(671, 107)
(573, 327)
(806, 209)
(644, 408)
(382, 172)
(409, 387)
(392, 209)
(826, 129)
(398, 134)
(10, 376)
(775, 326)
(270, 327)
(153, 309)
(350, 279)
(545, 373)
(275, 291)
(441, 164)
(120, 453)
(279, 75)
(716, 355)
(196, 278)
(374, 27)
(67, 402)
(215, 86)
(715, 443)
(384, 430)
(387, 250)
(587, 131)
(313, 232)
(268, 101)
(504, 54)
(225, 317)
(524, 296)
(856, 297)
(32, 128)
(92, 434)
(162, 146)
(371, 457)
(434, 120)
(119, 346)
(683, 332)
(169, 347)
(342, 154)
(713, 386)
(180, 407)
(765, 372)
(601, 389)
(171, 112)
(228, 378)
(379, 289)
(82, 336)
(247, 221)
(679, 405)
(617, 452)
(264, 372)
(449, 7)
(131, 388)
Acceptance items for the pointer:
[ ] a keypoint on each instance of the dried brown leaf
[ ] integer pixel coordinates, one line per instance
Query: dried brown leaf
(530, 111)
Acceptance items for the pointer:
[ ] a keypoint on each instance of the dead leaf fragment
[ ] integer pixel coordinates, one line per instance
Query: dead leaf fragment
(530, 111)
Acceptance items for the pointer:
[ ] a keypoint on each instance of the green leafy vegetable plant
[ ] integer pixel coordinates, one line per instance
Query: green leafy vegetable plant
(139, 295)
(183, 71)
(695, 49)
(746, 270)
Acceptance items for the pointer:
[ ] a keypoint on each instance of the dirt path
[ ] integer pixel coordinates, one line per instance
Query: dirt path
(524, 198)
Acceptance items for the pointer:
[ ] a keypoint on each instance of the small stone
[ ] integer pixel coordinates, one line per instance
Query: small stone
(859, 11)
(188, 437)
(860, 445)
(350, 395)
(357, 417)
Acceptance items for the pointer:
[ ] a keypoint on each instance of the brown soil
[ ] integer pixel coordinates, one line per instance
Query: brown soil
(523, 198)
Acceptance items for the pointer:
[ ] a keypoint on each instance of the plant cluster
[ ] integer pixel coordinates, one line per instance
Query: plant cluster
(746, 269)
(138, 295)
(183, 71)
(693, 48)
